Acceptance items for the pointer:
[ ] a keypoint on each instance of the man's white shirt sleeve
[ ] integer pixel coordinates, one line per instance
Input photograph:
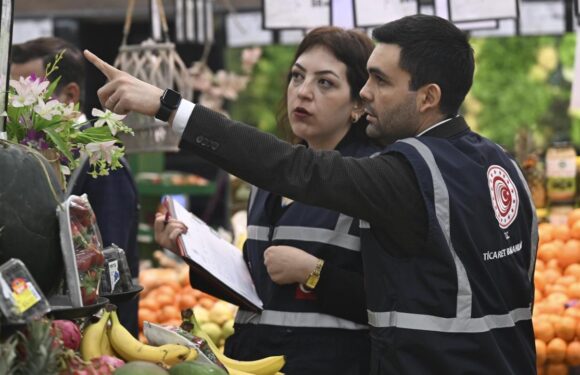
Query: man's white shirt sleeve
(182, 116)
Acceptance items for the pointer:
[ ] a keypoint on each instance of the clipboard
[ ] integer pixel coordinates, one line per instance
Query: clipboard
(216, 261)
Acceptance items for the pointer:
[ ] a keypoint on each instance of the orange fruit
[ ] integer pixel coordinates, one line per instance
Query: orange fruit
(540, 265)
(565, 328)
(553, 263)
(556, 369)
(573, 270)
(573, 216)
(547, 251)
(148, 303)
(166, 290)
(146, 315)
(561, 232)
(538, 296)
(545, 233)
(539, 280)
(574, 230)
(573, 353)
(578, 329)
(187, 300)
(573, 312)
(544, 330)
(556, 289)
(558, 297)
(206, 302)
(566, 280)
(176, 286)
(569, 253)
(574, 290)
(169, 312)
(540, 352)
(164, 299)
(556, 350)
(551, 275)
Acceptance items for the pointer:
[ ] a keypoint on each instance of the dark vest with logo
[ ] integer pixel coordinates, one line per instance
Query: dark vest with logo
(292, 319)
(464, 305)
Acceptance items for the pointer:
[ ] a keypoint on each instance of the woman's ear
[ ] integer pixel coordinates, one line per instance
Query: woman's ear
(429, 97)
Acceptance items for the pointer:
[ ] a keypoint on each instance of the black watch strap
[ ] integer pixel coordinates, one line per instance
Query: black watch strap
(169, 102)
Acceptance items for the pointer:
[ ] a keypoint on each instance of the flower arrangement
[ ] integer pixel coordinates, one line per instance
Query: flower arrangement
(37, 120)
(222, 85)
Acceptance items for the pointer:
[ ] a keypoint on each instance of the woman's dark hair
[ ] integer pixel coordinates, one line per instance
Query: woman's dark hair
(351, 47)
(433, 50)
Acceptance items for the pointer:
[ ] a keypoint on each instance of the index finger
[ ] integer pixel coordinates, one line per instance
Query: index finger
(108, 70)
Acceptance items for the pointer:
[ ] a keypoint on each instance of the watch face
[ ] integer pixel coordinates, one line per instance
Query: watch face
(171, 98)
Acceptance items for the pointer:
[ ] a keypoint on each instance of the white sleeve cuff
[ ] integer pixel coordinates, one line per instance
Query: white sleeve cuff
(182, 116)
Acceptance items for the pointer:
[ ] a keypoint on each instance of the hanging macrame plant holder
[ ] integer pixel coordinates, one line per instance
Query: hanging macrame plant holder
(159, 64)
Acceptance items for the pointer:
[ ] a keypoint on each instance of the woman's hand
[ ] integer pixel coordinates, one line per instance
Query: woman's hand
(125, 93)
(167, 232)
(288, 265)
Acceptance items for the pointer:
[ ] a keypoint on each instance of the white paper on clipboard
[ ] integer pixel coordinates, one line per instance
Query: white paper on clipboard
(216, 259)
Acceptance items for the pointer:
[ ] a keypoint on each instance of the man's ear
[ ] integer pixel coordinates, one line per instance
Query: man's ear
(71, 93)
(429, 97)
(357, 110)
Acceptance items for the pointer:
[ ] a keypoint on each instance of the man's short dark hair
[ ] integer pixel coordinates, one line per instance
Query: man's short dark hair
(433, 50)
(71, 68)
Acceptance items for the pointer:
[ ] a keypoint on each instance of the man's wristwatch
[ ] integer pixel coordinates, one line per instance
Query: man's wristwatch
(169, 102)
(314, 276)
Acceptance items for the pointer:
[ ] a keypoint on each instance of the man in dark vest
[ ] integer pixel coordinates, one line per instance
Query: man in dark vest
(449, 233)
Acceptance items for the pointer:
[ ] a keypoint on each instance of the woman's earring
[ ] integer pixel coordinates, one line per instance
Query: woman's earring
(354, 118)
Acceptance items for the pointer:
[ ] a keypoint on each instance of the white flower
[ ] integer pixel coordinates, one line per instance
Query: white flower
(101, 150)
(68, 111)
(49, 109)
(250, 57)
(64, 170)
(112, 120)
(28, 91)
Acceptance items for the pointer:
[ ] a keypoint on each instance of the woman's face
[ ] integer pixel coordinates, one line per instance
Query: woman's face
(319, 102)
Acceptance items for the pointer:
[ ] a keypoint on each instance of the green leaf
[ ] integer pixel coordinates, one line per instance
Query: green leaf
(90, 135)
(51, 88)
(60, 143)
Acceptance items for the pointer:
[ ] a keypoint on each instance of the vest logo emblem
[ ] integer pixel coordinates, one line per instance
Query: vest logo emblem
(504, 195)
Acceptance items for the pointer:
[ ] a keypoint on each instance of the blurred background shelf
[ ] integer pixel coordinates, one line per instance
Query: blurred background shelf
(148, 188)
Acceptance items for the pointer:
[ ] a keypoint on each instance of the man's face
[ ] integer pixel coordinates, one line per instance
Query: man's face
(35, 67)
(392, 109)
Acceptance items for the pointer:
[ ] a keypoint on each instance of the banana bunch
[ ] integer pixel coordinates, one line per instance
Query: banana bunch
(158, 335)
(95, 341)
(265, 366)
(131, 349)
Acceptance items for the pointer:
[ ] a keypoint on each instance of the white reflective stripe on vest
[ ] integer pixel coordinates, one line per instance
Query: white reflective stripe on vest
(534, 239)
(296, 319)
(343, 223)
(441, 200)
(258, 233)
(451, 325)
(321, 235)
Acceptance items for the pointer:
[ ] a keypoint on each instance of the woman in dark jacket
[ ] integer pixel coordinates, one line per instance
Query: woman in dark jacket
(305, 261)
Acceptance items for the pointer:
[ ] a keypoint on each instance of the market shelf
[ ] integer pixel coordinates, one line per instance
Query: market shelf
(151, 189)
